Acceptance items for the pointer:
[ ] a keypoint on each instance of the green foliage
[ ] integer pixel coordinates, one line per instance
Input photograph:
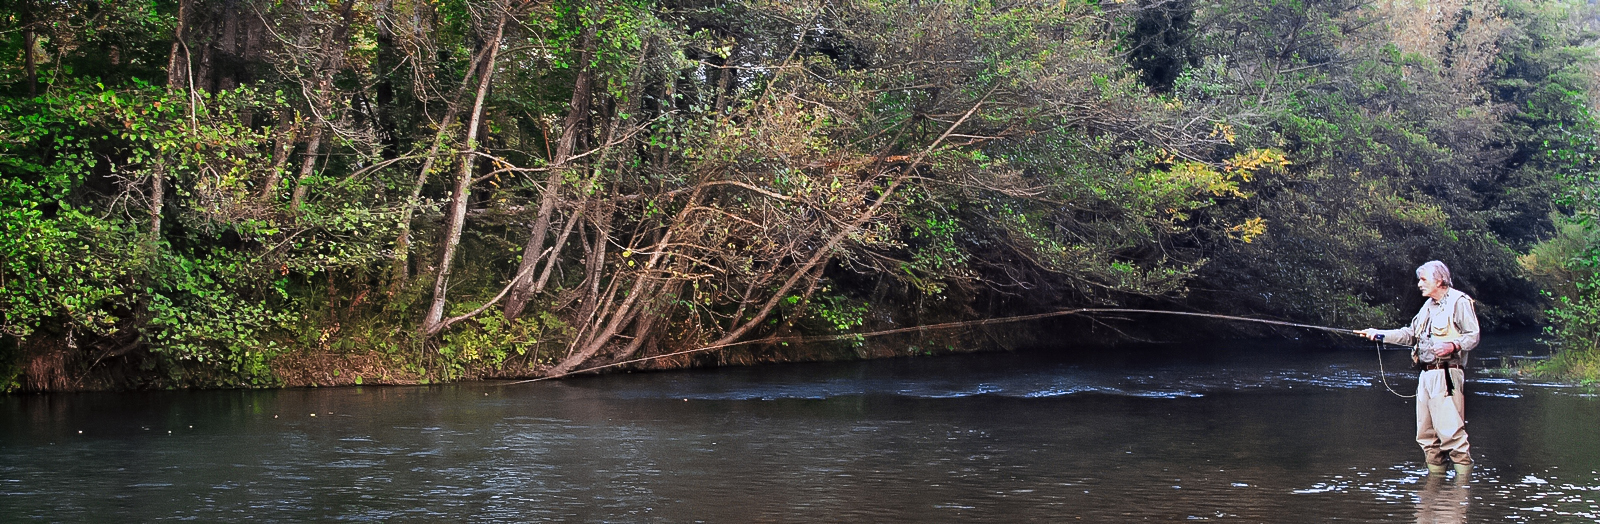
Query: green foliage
(201, 311)
(79, 265)
(47, 270)
(1293, 158)
(1548, 72)
(1568, 267)
(1403, 150)
(840, 314)
(491, 340)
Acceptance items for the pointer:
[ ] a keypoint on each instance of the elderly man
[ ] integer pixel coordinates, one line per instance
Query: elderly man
(1442, 333)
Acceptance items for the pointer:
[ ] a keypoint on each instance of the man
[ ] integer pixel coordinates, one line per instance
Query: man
(1445, 329)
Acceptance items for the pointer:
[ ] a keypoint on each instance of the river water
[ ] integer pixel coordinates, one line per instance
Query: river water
(1269, 431)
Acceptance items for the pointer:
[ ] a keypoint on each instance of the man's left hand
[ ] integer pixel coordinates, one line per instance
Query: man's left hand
(1445, 349)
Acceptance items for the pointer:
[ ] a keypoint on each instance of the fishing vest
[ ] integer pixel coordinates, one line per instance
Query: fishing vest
(1440, 326)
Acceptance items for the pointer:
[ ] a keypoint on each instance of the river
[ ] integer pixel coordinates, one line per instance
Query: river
(1274, 431)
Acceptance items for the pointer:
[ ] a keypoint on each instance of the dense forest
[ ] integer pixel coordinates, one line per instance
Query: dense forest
(225, 193)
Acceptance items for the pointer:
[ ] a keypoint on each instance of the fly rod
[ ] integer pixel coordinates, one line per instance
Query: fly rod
(946, 325)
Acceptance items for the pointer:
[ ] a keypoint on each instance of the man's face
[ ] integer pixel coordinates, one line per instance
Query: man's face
(1428, 286)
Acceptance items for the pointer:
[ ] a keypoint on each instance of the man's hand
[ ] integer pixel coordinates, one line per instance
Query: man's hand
(1445, 349)
(1370, 333)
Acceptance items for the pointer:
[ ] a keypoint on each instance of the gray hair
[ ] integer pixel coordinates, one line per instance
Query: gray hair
(1435, 270)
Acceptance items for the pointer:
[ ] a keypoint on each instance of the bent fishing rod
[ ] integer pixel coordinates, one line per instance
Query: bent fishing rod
(949, 325)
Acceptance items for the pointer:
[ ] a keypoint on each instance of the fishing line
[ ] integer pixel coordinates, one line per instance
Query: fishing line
(1378, 343)
(948, 325)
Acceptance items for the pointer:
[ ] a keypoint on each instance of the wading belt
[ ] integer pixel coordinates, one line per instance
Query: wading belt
(1449, 382)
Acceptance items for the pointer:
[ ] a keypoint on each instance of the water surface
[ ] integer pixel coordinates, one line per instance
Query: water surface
(1245, 431)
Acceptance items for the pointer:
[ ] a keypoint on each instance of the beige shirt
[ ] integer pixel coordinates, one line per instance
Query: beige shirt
(1452, 319)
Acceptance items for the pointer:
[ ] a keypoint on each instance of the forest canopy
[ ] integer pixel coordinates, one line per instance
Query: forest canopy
(234, 192)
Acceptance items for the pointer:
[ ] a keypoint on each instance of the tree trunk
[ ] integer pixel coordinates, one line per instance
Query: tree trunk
(522, 289)
(30, 38)
(308, 165)
(824, 254)
(725, 84)
(158, 196)
(282, 148)
(321, 102)
(555, 251)
(458, 197)
(388, 137)
(594, 269)
(624, 314)
(400, 271)
(176, 76)
(178, 70)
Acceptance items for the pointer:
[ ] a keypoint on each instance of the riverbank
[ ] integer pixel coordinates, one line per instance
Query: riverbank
(1575, 367)
(353, 359)
(50, 365)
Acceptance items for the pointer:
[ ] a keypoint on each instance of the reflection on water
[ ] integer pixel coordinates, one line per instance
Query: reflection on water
(1442, 500)
(1238, 432)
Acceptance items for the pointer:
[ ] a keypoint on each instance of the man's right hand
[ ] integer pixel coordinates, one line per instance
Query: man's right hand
(1370, 333)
